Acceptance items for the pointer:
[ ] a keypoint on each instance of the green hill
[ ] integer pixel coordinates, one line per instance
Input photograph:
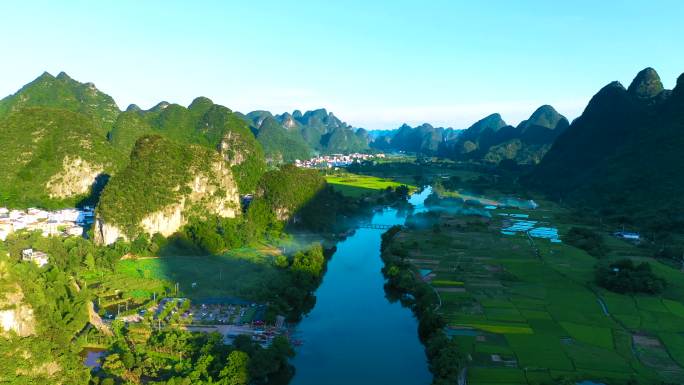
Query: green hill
(63, 92)
(281, 144)
(164, 185)
(59, 136)
(51, 157)
(491, 140)
(622, 157)
(203, 123)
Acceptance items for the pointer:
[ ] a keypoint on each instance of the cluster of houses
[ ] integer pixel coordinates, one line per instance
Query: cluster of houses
(335, 160)
(65, 222)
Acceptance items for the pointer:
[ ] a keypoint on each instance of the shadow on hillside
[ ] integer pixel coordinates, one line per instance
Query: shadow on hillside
(95, 192)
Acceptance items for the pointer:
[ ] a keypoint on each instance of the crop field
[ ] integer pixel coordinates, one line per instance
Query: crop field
(407, 172)
(354, 185)
(526, 317)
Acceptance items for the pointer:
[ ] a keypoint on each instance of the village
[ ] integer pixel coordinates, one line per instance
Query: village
(64, 222)
(335, 160)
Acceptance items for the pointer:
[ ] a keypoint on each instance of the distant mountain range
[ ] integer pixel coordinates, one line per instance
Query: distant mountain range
(623, 156)
(298, 135)
(423, 139)
(489, 139)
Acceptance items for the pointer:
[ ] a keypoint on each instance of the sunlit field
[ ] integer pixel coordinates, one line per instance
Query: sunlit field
(354, 185)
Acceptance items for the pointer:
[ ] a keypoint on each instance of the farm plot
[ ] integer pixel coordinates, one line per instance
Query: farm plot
(549, 318)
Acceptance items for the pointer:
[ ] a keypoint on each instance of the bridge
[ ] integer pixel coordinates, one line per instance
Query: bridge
(375, 226)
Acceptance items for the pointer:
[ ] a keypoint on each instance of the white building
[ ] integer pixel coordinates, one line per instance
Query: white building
(38, 257)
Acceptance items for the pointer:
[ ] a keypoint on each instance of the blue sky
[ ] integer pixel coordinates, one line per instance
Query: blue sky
(376, 64)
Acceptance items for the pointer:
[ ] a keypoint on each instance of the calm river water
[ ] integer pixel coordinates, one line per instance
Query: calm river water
(354, 335)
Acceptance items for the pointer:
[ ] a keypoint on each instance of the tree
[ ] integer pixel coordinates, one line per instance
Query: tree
(402, 191)
(236, 372)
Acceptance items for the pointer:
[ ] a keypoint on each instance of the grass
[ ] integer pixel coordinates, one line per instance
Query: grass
(355, 186)
(674, 342)
(591, 335)
(497, 376)
(240, 273)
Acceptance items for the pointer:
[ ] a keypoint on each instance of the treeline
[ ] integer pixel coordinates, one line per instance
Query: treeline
(292, 293)
(174, 356)
(445, 361)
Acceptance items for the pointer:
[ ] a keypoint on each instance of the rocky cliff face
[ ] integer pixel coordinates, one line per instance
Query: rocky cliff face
(16, 316)
(75, 178)
(216, 195)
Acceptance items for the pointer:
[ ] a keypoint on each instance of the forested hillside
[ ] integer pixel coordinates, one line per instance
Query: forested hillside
(623, 155)
(53, 135)
(492, 140)
(204, 123)
(162, 188)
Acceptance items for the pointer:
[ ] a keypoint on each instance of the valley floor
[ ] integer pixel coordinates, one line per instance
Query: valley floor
(527, 311)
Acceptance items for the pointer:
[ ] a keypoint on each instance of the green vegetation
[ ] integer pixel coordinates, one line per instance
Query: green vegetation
(36, 142)
(238, 273)
(587, 240)
(61, 131)
(358, 185)
(58, 300)
(281, 145)
(532, 313)
(158, 175)
(80, 272)
(67, 94)
(445, 360)
(413, 171)
(624, 276)
(203, 123)
(295, 136)
(280, 195)
(491, 140)
(621, 159)
(174, 356)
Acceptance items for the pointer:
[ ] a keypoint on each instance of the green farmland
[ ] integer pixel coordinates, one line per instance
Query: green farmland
(526, 317)
(353, 185)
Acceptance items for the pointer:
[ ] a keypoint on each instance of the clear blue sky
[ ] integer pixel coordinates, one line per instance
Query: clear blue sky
(376, 64)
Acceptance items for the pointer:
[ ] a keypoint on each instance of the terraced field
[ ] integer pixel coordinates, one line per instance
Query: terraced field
(536, 317)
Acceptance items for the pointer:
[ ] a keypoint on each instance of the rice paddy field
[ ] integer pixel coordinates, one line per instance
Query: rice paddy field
(355, 186)
(528, 312)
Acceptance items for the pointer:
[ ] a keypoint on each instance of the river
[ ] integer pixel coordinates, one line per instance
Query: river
(354, 335)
